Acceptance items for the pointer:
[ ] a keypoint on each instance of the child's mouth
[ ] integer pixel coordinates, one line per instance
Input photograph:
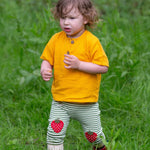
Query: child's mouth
(67, 29)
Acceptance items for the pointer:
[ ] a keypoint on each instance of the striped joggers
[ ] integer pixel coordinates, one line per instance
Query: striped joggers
(87, 114)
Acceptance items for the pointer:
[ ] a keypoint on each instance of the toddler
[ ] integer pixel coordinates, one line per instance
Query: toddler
(77, 59)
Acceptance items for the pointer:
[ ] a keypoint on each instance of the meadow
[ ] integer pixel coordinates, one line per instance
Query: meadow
(25, 99)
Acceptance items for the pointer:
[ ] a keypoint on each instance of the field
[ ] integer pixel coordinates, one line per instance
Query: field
(25, 99)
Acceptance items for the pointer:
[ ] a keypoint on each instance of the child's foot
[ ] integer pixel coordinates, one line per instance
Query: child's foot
(100, 148)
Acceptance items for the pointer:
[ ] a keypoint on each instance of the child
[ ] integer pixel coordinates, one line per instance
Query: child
(78, 60)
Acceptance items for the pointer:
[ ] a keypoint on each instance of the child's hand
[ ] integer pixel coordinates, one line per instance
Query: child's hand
(46, 74)
(71, 61)
(46, 70)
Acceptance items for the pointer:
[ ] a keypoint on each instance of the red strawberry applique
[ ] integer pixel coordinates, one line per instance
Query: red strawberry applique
(91, 136)
(57, 125)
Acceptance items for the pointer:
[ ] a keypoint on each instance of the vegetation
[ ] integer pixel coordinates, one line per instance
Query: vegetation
(25, 99)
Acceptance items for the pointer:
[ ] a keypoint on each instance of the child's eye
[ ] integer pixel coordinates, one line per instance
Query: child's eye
(63, 17)
(72, 17)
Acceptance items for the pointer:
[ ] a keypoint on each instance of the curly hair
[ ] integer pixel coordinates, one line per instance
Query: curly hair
(85, 7)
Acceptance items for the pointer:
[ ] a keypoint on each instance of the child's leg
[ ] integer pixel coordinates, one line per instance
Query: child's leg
(90, 120)
(58, 123)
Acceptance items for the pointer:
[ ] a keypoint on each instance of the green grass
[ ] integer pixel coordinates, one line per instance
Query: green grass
(25, 28)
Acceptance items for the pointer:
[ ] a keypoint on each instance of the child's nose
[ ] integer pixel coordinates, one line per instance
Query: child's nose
(66, 21)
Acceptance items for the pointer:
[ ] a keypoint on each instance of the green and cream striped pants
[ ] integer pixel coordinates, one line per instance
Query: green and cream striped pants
(87, 114)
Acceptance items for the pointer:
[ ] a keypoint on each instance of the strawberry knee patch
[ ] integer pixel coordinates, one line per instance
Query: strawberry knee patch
(91, 136)
(57, 125)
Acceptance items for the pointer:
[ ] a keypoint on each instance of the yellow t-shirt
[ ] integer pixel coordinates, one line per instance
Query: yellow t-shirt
(70, 85)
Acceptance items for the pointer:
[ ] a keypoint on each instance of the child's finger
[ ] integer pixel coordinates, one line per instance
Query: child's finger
(49, 71)
(67, 67)
(67, 55)
(67, 59)
(67, 62)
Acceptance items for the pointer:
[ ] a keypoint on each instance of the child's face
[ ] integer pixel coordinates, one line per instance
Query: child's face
(73, 23)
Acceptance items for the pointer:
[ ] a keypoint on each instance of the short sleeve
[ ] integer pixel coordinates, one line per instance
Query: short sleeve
(48, 53)
(98, 55)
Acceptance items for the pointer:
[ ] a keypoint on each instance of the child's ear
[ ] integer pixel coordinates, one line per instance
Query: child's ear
(85, 21)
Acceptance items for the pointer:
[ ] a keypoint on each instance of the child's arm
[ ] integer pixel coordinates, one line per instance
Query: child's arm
(46, 70)
(72, 62)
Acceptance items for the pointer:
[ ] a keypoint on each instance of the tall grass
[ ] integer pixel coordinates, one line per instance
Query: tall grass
(25, 28)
